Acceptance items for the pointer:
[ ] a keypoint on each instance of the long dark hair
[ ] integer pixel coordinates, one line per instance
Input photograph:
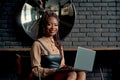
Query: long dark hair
(42, 25)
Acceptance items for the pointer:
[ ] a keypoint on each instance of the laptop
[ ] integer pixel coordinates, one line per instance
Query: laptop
(84, 59)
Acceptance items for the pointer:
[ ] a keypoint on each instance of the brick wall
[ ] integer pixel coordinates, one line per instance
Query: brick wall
(96, 24)
(10, 28)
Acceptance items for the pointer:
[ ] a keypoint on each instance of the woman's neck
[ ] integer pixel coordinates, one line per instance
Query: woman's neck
(48, 37)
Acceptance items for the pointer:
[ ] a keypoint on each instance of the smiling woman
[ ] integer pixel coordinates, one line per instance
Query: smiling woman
(30, 16)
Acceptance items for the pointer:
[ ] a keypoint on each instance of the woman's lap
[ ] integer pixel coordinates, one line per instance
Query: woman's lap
(56, 76)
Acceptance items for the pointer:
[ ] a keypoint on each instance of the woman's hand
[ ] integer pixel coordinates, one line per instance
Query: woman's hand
(47, 71)
(65, 68)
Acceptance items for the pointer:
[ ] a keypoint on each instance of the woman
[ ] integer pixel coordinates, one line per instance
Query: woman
(47, 55)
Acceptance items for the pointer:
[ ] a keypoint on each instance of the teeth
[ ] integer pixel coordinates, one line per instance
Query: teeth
(52, 31)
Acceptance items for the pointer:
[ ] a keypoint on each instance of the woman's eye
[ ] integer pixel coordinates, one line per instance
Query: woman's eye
(49, 24)
(55, 24)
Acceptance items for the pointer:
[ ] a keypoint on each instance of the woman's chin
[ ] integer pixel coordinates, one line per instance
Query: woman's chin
(52, 34)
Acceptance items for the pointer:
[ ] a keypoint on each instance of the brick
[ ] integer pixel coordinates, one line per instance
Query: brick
(67, 43)
(109, 8)
(94, 25)
(81, 0)
(109, 17)
(100, 12)
(82, 39)
(94, 17)
(112, 30)
(100, 4)
(109, 25)
(81, 9)
(71, 39)
(101, 30)
(112, 13)
(100, 39)
(79, 43)
(2, 44)
(109, 43)
(94, 43)
(86, 4)
(86, 21)
(112, 21)
(94, 8)
(80, 26)
(94, 0)
(109, 34)
(78, 34)
(75, 30)
(108, 0)
(82, 17)
(85, 12)
(93, 34)
(101, 21)
(85, 30)
(111, 4)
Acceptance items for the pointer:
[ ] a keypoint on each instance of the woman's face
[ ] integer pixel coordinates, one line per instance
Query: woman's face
(52, 26)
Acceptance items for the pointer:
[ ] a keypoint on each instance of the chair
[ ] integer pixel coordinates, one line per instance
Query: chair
(23, 67)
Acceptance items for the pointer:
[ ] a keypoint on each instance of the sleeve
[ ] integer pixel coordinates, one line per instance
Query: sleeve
(35, 54)
(36, 60)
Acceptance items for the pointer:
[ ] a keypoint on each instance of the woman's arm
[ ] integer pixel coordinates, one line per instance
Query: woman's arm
(35, 54)
(36, 60)
(63, 58)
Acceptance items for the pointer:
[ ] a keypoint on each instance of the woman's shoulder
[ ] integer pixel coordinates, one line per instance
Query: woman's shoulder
(37, 41)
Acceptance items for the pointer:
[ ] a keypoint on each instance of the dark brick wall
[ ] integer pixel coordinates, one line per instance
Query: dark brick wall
(10, 26)
(96, 24)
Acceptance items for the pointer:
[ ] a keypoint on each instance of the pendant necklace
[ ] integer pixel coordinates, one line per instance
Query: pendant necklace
(51, 43)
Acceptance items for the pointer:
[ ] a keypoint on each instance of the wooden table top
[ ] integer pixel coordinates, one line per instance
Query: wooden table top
(65, 49)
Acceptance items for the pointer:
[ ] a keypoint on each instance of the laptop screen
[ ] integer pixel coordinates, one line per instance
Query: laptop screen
(84, 59)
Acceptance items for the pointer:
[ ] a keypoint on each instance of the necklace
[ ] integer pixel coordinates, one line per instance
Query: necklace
(50, 43)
